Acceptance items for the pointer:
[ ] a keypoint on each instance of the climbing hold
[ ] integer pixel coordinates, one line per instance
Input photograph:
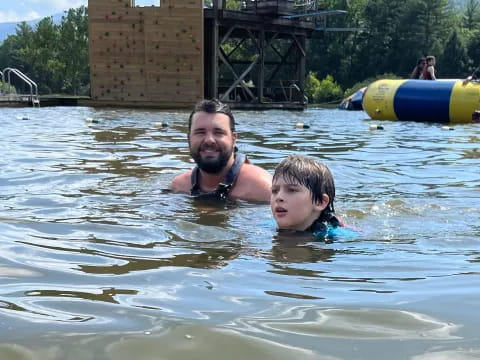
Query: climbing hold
(301, 125)
(376, 127)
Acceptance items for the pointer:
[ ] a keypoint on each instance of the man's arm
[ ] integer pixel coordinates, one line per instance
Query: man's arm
(431, 70)
(467, 80)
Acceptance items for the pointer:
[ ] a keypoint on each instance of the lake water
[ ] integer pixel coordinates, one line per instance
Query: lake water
(98, 262)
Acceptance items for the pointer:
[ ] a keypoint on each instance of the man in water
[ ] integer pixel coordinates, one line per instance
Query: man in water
(221, 172)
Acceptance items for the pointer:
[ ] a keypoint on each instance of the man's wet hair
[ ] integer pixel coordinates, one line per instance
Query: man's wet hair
(312, 174)
(213, 106)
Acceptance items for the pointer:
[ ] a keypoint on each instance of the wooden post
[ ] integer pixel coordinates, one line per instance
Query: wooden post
(261, 66)
(302, 68)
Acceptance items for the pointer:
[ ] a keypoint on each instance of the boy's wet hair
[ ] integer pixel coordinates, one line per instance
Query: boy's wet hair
(214, 106)
(312, 174)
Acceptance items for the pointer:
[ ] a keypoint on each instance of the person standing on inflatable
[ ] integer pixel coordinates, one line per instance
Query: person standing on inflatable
(429, 69)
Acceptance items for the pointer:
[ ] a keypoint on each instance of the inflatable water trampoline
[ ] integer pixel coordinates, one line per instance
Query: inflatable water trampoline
(445, 101)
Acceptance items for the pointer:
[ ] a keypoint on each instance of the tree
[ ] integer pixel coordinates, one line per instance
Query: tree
(471, 16)
(46, 68)
(454, 60)
(73, 49)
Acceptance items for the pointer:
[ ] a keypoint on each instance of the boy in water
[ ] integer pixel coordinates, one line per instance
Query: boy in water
(302, 198)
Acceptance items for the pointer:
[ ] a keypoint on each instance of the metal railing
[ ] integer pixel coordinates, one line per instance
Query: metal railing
(32, 97)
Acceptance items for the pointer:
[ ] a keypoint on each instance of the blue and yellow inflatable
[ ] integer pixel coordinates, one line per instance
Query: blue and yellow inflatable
(446, 101)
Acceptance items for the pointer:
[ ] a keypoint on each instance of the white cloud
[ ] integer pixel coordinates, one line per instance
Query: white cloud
(13, 16)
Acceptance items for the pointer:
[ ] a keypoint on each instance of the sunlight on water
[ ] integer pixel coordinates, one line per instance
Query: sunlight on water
(98, 261)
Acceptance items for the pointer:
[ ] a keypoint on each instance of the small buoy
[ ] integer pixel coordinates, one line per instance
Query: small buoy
(22, 117)
(476, 116)
(447, 128)
(162, 124)
(189, 337)
(91, 120)
(376, 127)
(301, 125)
(378, 111)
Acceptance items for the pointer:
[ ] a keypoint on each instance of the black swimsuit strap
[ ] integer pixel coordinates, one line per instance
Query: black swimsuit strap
(224, 188)
(320, 224)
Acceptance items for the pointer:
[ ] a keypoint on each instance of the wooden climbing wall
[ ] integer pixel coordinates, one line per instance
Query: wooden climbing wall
(146, 56)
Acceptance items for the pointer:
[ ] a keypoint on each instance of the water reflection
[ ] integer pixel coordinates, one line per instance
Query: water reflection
(300, 248)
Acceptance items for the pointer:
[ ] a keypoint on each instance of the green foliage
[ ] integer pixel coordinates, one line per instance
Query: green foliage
(471, 16)
(6, 90)
(320, 91)
(311, 84)
(327, 90)
(74, 40)
(54, 56)
(454, 58)
(233, 4)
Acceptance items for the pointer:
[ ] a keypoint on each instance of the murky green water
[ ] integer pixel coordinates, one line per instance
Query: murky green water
(96, 262)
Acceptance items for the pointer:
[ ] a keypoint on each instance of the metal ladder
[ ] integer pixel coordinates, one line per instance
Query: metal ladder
(32, 97)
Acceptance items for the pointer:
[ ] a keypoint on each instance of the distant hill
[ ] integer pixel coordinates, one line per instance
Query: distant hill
(8, 28)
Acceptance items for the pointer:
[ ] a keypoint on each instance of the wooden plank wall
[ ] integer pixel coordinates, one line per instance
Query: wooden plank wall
(146, 55)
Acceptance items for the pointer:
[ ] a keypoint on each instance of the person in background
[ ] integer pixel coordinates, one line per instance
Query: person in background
(221, 171)
(429, 68)
(418, 70)
(302, 198)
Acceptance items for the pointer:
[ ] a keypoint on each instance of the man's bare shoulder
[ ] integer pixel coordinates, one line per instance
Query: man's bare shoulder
(182, 183)
(254, 172)
(253, 183)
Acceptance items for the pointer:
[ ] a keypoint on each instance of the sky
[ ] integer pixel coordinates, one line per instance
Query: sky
(25, 10)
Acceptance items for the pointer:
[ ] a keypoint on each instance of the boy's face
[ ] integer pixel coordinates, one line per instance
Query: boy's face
(292, 205)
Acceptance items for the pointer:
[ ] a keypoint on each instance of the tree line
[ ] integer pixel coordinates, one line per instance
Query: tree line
(55, 56)
(395, 33)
